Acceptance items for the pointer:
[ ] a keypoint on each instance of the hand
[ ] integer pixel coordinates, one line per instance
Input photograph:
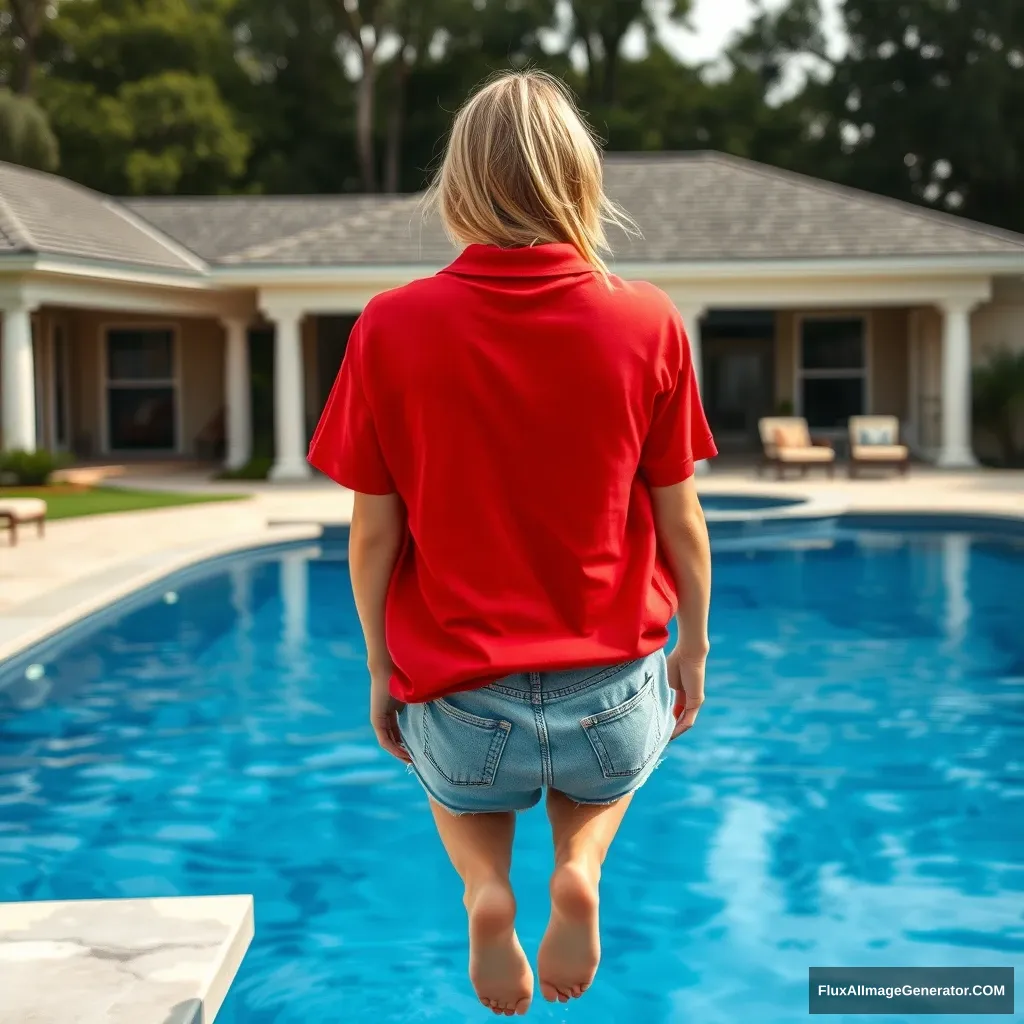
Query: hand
(686, 677)
(384, 711)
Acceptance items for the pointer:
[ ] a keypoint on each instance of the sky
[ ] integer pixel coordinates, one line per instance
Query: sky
(715, 21)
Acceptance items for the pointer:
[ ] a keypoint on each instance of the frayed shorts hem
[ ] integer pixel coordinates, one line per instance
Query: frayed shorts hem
(637, 782)
(458, 812)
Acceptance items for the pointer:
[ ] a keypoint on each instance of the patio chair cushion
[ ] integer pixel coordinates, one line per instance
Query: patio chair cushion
(22, 509)
(793, 435)
(811, 453)
(880, 452)
(880, 436)
(874, 430)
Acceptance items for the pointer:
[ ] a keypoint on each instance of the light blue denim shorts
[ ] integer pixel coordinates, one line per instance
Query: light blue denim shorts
(593, 734)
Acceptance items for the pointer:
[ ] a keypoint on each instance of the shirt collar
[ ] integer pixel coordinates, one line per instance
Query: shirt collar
(550, 259)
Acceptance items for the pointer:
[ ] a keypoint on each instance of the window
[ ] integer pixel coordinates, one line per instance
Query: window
(832, 370)
(141, 389)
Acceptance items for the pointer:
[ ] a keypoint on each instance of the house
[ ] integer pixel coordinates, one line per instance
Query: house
(190, 326)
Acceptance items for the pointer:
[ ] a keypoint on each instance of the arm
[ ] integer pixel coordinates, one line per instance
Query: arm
(375, 542)
(683, 538)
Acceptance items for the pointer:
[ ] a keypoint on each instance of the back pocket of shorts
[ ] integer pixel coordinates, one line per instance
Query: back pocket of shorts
(463, 748)
(626, 737)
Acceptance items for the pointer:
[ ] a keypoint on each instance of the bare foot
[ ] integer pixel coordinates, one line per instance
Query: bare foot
(571, 948)
(498, 967)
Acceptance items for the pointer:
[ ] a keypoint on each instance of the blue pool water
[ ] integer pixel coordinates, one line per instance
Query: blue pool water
(853, 794)
(744, 502)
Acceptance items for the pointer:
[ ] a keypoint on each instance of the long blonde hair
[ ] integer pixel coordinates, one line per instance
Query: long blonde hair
(522, 168)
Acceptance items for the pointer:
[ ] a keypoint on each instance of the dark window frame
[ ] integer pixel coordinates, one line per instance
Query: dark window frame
(171, 383)
(862, 374)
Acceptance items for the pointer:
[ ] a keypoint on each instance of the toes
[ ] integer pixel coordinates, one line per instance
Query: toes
(549, 992)
(522, 1006)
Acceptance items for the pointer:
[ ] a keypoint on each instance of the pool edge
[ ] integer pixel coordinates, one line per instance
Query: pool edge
(41, 619)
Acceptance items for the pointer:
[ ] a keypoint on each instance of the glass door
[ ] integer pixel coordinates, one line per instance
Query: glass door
(141, 390)
(738, 389)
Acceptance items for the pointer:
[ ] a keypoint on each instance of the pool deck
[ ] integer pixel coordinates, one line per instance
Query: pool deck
(156, 961)
(83, 564)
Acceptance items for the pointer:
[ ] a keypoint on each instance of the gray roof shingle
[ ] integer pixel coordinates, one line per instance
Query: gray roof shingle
(44, 214)
(707, 207)
(690, 207)
(218, 228)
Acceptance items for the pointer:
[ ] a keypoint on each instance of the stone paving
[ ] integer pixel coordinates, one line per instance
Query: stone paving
(81, 564)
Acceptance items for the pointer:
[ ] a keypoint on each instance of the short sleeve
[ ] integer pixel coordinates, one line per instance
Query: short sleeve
(345, 445)
(679, 435)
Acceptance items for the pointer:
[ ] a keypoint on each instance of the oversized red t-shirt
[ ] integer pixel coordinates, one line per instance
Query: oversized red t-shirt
(521, 408)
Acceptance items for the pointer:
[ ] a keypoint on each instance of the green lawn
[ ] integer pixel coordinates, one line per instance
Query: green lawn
(64, 502)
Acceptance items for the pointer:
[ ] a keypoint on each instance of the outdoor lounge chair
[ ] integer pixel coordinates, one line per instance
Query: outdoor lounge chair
(15, 512)
(787, 441)
(874, 441)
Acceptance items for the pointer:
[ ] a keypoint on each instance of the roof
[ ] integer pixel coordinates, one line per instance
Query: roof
(708, 206)
(690, 207)
(45, 214)
(221, 228)
(302, 230)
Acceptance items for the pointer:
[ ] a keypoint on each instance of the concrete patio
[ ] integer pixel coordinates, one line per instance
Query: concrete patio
(82, 564)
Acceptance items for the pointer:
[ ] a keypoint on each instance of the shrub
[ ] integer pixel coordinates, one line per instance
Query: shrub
(257, 468)
(29, 469)
(25, 133)
(999, 403)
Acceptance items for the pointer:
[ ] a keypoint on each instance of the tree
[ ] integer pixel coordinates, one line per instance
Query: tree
(778, 36)
(23, 23)
(364, 23)
(25, 134)
(417, 26)
(599, 27)
(133, 95)
(292, 97)
(925, 106)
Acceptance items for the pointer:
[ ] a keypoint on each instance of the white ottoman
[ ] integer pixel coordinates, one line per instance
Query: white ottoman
(15, 512)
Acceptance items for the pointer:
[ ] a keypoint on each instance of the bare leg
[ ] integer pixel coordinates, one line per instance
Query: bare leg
(571, 948)
(480, 848)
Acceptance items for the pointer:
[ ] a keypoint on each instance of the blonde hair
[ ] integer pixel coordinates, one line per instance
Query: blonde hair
(522, 168)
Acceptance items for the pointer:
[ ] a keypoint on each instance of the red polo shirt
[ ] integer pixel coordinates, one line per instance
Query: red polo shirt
(521, 408)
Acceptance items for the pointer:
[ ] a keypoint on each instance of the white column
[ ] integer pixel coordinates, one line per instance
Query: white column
(956, 386)
(237, 392)
(19, 381)
(691, 319)
(289, 397)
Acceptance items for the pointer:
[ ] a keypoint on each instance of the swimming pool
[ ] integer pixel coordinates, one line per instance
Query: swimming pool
(745, 502)
(854, 793)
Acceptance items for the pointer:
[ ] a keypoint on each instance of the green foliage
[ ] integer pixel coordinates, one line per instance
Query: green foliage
(257, 468)
(210, 96)
(68, 503)
(25, 134)
(134, 92)
(999, 403)
(29, 469)
(925, 106)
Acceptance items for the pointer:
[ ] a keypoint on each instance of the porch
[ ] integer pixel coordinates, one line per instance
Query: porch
(226, 376)
(828, 365)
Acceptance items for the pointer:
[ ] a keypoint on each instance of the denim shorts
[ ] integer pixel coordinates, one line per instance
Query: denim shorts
(593, 734)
